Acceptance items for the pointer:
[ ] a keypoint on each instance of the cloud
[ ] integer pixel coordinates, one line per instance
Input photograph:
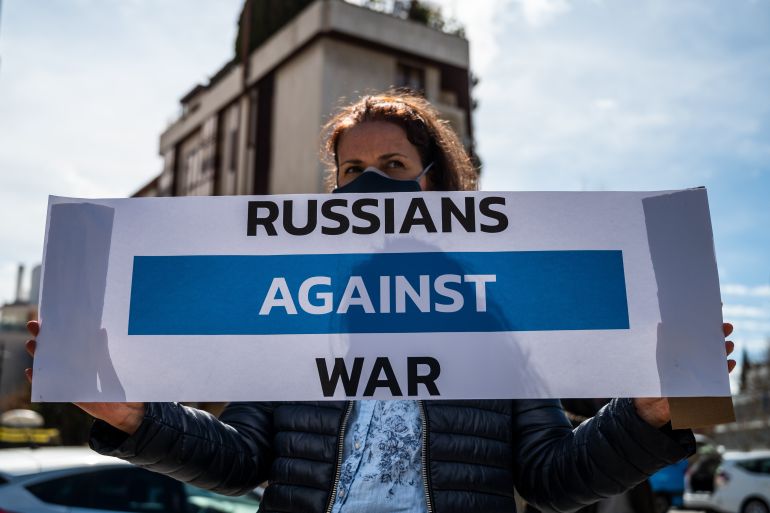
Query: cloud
(643, 96)
(735, 289)
(479, 21)
(538, 13)
(745, 312)
(756, 344)
(605, 103)
(754, 327)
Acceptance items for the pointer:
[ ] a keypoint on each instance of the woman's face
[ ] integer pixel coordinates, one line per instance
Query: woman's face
(377, 144)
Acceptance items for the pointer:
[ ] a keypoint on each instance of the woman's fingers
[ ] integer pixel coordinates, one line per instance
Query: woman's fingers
(727, 328)
(729, 348)
(33, 327)
(125, 416)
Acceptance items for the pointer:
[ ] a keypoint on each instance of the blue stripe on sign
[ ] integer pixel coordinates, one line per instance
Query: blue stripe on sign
(397, 293)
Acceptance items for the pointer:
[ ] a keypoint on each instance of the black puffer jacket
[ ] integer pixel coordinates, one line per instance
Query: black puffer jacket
(474, 452)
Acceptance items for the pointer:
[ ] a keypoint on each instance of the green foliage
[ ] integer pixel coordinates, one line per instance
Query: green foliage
(427, 14)
(260, 19)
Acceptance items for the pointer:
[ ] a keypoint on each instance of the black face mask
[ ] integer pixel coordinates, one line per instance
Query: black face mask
(374, 180)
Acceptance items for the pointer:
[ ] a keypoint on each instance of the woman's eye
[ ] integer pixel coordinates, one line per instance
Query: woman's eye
(394, 164)
(353, 169)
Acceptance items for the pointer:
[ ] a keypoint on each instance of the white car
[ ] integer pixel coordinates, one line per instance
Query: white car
(741, 485)
(78, 480)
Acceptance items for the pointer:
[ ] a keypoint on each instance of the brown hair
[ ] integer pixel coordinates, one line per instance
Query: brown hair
(434, 139)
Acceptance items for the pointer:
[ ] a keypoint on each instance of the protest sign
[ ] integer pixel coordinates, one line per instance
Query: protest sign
(432, 295)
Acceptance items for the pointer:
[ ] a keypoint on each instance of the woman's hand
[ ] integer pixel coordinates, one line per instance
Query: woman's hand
(124, 416)
(655, 410)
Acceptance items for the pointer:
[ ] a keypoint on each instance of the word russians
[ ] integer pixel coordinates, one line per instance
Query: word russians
(441, 296)
(365, 216)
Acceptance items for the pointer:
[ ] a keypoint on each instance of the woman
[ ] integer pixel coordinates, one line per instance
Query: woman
(442, 456)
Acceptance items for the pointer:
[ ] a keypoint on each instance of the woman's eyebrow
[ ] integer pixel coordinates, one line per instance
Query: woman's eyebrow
(389, 155)
(381, 157)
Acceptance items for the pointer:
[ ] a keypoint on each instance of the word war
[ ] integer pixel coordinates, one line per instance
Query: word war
(351, 378)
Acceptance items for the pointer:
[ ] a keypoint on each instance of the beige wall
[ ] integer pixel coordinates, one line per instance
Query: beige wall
(351, 71)
(229, 157)
(296, 122)
(405, 35)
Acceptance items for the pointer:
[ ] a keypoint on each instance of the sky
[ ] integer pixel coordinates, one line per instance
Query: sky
(573, 95)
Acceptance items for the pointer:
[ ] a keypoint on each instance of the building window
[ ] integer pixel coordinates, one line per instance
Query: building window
(166, 180)
(208, 148)
(198, 161)
(232, 164)
(229, 149)
(410, 77)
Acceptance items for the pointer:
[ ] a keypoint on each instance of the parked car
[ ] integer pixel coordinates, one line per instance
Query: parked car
(741, 484)
(699, 481)
(77, 480)
(668, 483)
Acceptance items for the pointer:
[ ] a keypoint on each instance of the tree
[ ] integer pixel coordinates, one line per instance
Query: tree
(260, 19)
(745, 369)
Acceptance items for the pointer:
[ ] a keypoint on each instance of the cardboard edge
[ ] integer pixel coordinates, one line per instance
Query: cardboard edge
(697, 412)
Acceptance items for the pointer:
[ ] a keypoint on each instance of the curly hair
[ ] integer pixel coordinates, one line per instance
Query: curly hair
(433, 137)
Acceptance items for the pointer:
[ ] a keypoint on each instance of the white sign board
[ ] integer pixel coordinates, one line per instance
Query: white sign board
(429, 295)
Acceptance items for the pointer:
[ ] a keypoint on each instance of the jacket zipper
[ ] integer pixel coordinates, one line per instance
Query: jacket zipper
(340, 447)
(424, 456)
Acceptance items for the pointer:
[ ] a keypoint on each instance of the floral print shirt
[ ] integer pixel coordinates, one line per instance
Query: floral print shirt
(381, 467)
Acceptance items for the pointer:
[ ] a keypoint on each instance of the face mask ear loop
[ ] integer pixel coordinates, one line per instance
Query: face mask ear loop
(427, 168)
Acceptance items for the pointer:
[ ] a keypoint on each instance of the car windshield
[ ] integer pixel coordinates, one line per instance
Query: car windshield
(120, 487)
(200, 501)
(757, 466)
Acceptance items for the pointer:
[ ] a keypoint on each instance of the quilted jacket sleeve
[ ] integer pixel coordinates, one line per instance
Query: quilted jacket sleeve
(559, 469)
(230, 455)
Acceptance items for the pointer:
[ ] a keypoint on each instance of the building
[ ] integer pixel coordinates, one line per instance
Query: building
(13, 336)
(254, 128)
(34, 285)
(751, 430)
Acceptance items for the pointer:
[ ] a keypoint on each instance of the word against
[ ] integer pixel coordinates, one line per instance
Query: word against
(319, 302)
(380, 376)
